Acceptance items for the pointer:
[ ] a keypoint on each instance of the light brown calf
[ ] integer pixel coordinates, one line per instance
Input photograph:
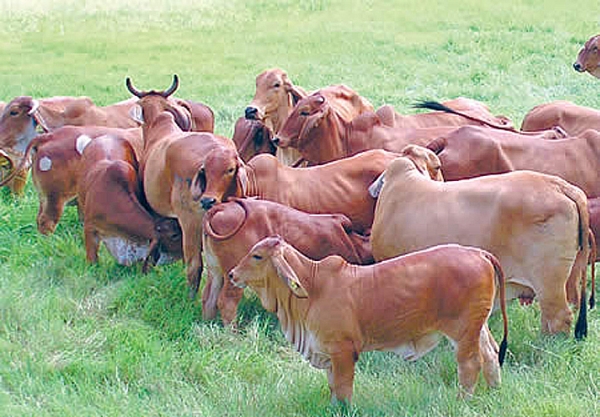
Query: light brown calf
(331, 311)
(588, 58)
(570, 117)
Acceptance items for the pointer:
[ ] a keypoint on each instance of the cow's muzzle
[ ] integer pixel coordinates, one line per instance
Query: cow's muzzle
(578, 67)
(251, 113)
(234, 282)
(208, 202)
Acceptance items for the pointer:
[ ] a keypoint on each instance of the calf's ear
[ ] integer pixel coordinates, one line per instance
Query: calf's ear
(241, 179)
(296, 92)
(288, 275)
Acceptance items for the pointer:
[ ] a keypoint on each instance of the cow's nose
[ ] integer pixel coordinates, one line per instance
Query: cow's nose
(275, 141)
(207, 202)
(251, 113)
(577, 67)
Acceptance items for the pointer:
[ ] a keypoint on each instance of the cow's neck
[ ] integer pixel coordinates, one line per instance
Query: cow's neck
(156, 131)
(282, 113)
(335, 145)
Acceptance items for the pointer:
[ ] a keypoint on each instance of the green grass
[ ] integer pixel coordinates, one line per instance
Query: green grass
(106, 340)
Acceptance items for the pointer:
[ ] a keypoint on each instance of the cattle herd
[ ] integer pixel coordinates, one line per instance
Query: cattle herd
(361, 229)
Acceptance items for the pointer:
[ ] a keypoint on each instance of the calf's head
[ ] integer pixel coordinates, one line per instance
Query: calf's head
(18, 125)
(426, 161)
(265, 267)
(252, 137)
(221, 176)
(588, 58)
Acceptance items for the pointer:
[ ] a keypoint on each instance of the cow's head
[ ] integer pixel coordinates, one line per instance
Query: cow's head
(274, 98)
(221, 176)
(169, 236)
(588, 58)
(252, 137)
(426, 162)
(263, 265)
(18, 125)
(300, 129)
(152, 103)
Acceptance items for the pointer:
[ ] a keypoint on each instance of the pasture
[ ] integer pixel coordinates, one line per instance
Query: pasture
(105, 340)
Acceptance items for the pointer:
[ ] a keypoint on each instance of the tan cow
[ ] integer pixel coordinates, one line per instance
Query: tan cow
(171, 159)
(588, 59)
(109, 196)
(232, 228)
(276, 96)
(332, 311)
(252, 137)
(338, 187)
(321, 135)
(570, 117)
(537, 225)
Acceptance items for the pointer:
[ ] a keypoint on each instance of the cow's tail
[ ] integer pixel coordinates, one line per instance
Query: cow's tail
(499, 273)
(580, 200)
(437, 145)
(437, 106)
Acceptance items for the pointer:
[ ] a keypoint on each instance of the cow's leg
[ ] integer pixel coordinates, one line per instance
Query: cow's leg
(468, 358)
(92, 243)
(341, 373)
(17, 184)
(556, 314)
(191, 232)
(489, 353)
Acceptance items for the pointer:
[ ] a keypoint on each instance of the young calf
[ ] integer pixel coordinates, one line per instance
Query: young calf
(331, 311)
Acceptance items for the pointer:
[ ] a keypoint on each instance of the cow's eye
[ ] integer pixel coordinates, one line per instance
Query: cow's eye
(304, 113)
(14, 112)
(257, 257)
(230, 170)
(276, 85)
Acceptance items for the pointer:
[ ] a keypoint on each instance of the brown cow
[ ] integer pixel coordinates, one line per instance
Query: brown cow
(472, 151)
(276, 96)
(316, 129)
(331, 311)
(129, 231)
(232, 228)
(338, 187)
(588, 59)
(171, 158)
(536, 224)
(57, 168)
(252, 137)
(570, 117)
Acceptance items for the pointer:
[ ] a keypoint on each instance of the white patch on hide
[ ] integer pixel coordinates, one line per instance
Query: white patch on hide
(82, 142)
(126, 252)
(45, 164)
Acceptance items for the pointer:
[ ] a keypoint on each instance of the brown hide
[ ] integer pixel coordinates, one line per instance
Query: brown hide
(570, 117)
(321, 135)
(536, 224)
(252, 137)
(337, 187)
(588, 58)
(331, 311)
(232, 228)
(109, 171)
(473, 151)
(56, 167)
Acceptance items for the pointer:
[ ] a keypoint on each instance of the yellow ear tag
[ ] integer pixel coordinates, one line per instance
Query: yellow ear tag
(293, 285)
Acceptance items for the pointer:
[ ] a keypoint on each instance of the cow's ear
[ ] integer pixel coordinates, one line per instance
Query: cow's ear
(38, 113)
(296, 92)
(137, 113)
(288, 275)
(241, 179)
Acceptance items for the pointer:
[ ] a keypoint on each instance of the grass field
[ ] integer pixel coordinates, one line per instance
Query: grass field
(105, 340)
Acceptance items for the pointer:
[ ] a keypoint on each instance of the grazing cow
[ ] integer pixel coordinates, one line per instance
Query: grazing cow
(57, 168)
(232, 228)
(536, 224)
(316, 129)
(252, 137)
(276, 96)
(171, 158)
(570, 117)
(129, 231)
(338, 187)
(588, 59)
(332, 311)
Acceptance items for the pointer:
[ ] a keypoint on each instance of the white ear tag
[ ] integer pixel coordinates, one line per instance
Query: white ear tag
(45, 164)
(82, 142)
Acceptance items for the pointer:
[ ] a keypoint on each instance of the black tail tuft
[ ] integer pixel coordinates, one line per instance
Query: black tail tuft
(502, 351)
(432, 105)
(581, 327)
(592, 301)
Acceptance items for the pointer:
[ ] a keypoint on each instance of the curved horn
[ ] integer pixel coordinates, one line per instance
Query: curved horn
(132, 89)
(173, 87)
